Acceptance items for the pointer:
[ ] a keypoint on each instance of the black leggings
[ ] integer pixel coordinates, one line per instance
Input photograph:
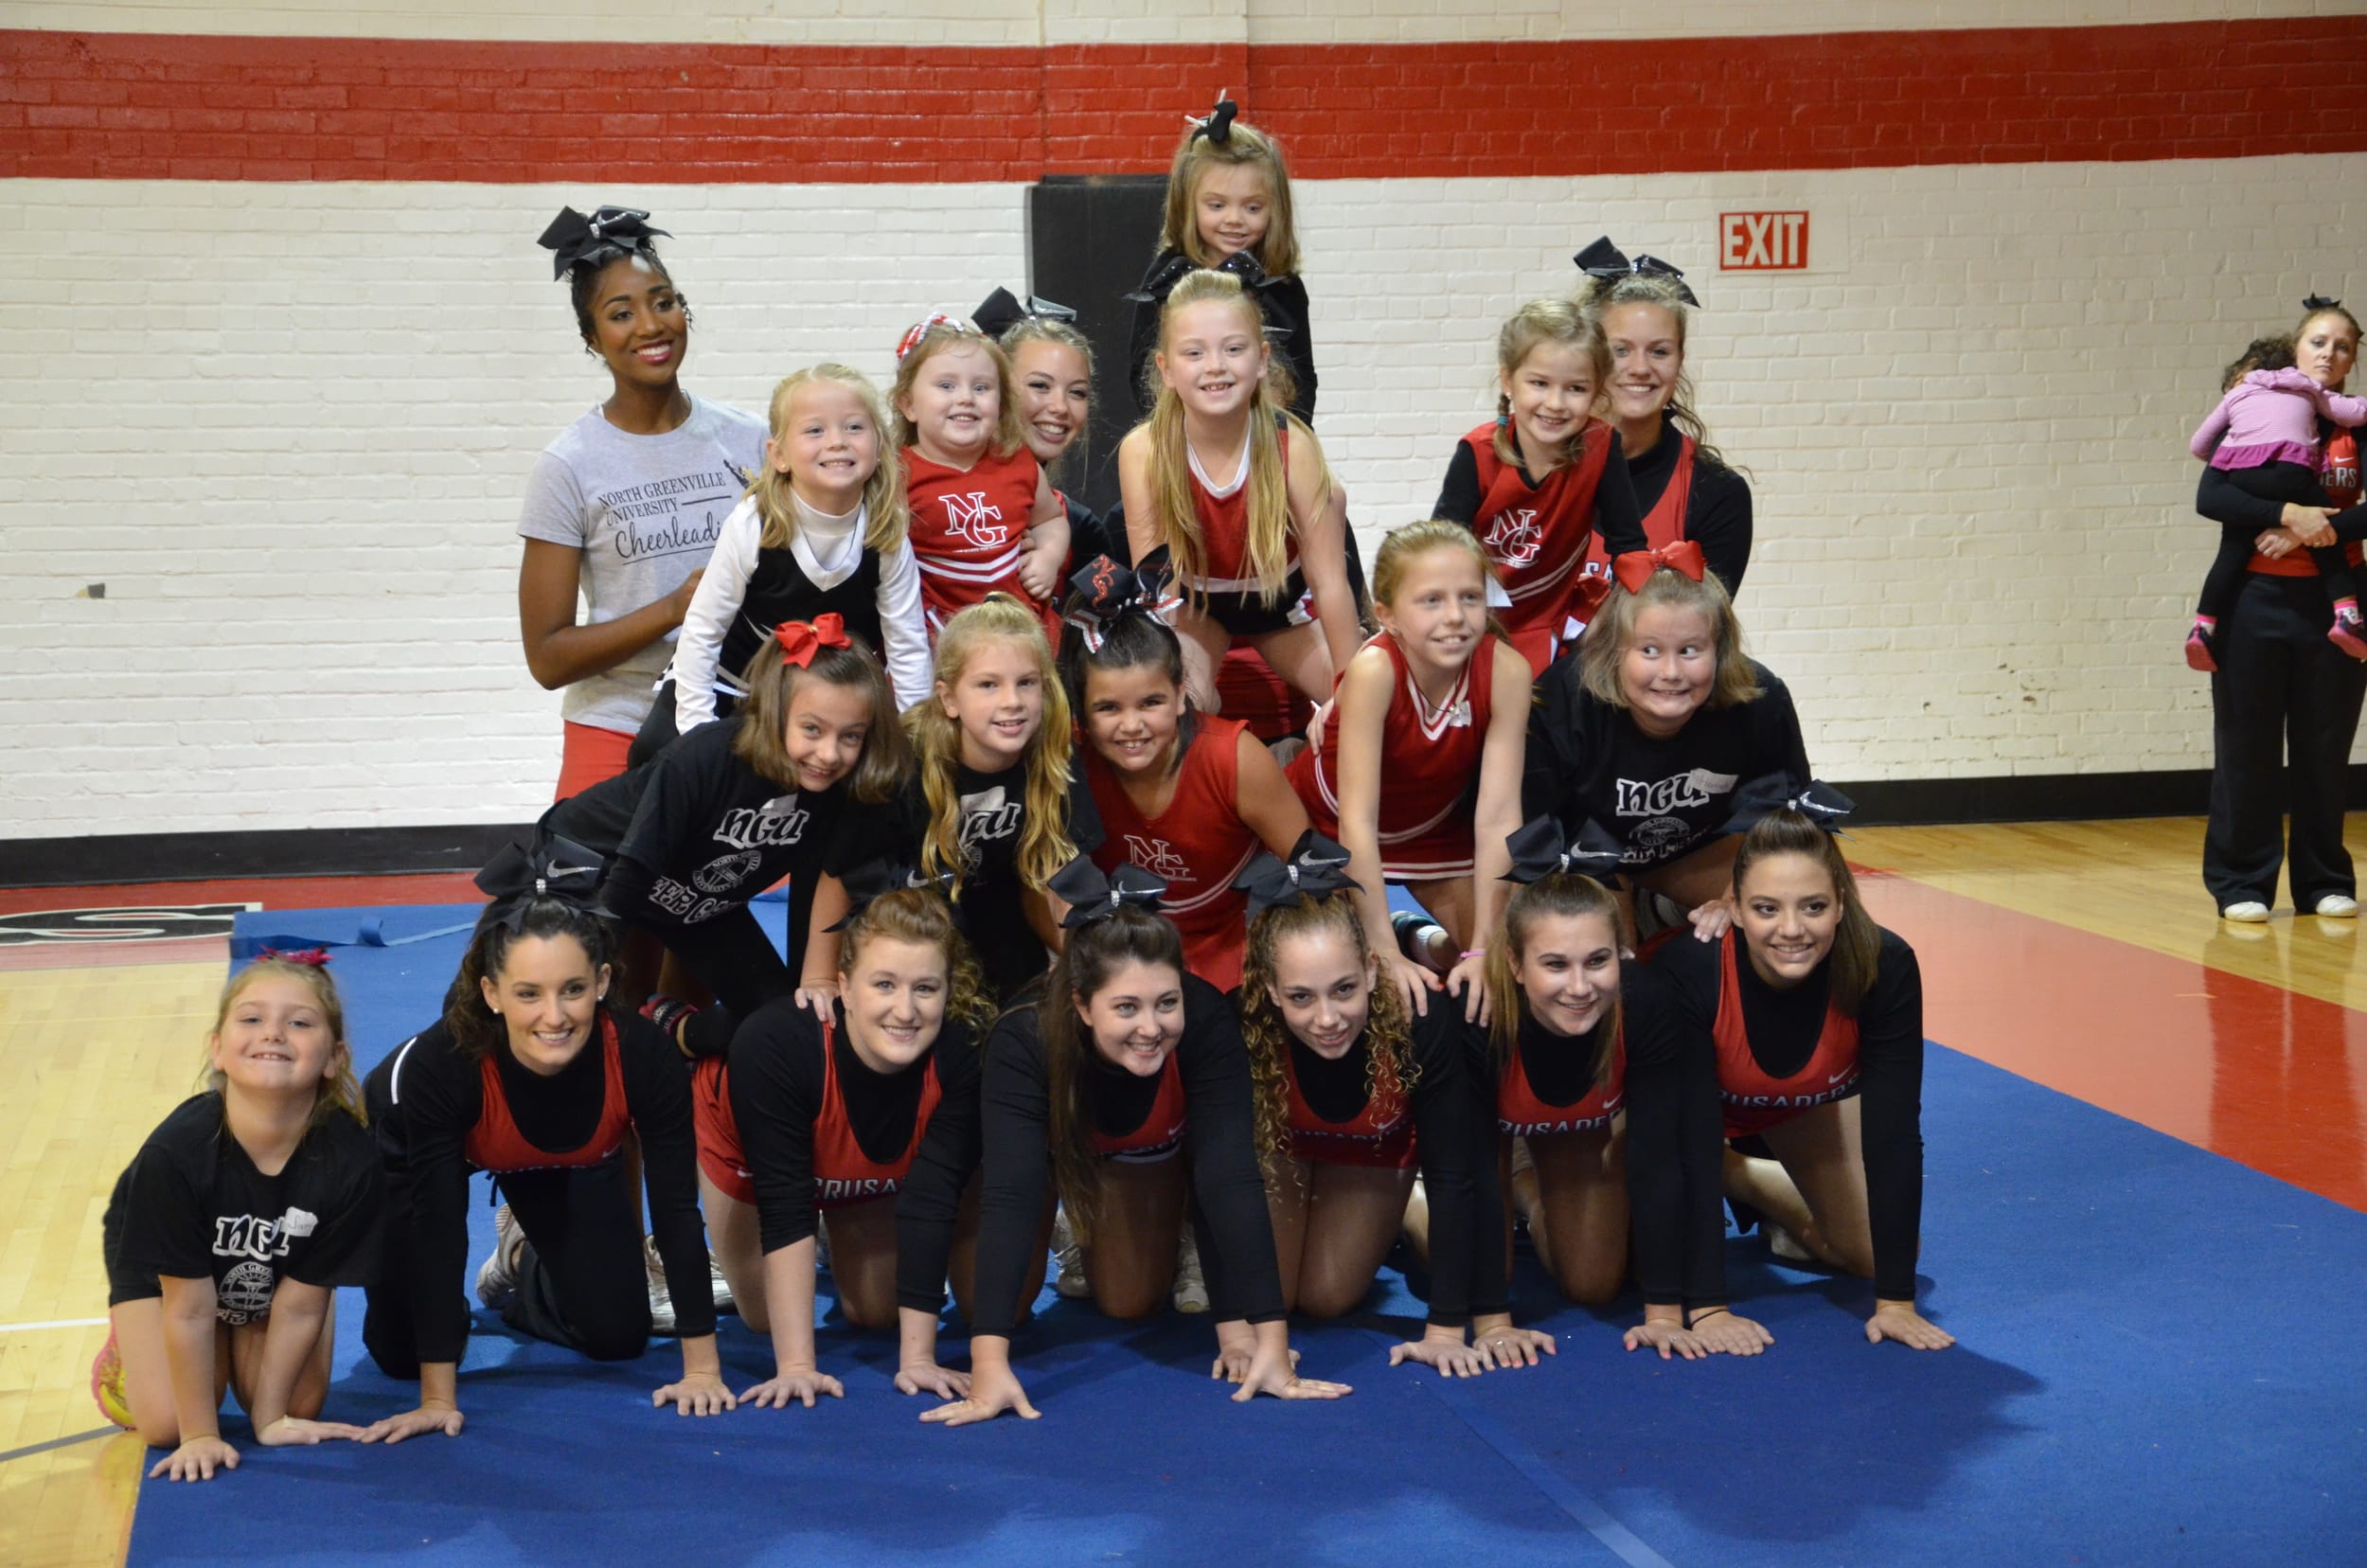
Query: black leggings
(658, 731)
(581, 1281)
(734, 959)
(2269, 482)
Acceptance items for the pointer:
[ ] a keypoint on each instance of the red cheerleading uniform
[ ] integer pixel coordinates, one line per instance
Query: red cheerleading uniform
(1537, 535)
(969, 527)
(1199, 843)
(721, 1158)
(1662, 527)
(1755, 1102)
(1430, 764)
(1233, 594)
(1162, 1132)
(1380, 1135)
(842, 1173)
(2338, 470)
(1520, 1114)
(496, 1144)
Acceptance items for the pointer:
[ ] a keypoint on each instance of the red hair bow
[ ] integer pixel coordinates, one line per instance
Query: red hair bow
(801, 640)
(310, 957)
(1635, 568)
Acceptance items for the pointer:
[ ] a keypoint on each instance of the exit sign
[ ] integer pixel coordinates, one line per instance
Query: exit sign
(1763, 241)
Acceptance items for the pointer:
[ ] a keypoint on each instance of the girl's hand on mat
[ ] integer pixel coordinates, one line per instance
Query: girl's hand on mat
(1507, 1347)
(294, 1431)
(991, 1392)
(798, 1387)
(196, 1460)
(1470, 977)
(1729, 1334)
(1442, 1350)
(1237, 1347)
(1275, 1373)
(416, 1423)
(1711, 919)
(818, 996)
(698, 1393)
(1665, 1336)
(1899, 1320)
(928, 1378)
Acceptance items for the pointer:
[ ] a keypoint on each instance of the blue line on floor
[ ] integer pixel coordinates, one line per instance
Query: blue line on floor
(58, 1443)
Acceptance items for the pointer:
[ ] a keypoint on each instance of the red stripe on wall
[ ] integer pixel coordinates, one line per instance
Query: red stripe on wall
(146, 106)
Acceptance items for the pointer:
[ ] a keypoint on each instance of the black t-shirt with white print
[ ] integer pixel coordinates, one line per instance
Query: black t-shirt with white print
(193, 1205)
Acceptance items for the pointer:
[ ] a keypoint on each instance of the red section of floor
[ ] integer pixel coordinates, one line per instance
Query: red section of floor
(271, 892)
(150, 106)
(2259, 1074)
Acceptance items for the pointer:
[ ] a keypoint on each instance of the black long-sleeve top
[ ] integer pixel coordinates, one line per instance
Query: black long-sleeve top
(777, 1091)
(2220, 497)
(1676, 1176)
(1782, 1027)
(1283, 300)
(1586, 760)
(1220, 1143)
(426, 1097)
(1453, 1137)
(1717, 507)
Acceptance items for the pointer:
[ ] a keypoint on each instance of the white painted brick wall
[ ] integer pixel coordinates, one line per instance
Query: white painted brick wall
(292, 442)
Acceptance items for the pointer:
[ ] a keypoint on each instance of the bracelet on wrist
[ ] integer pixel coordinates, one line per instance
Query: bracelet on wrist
(1475, 953)
(1707, 1312)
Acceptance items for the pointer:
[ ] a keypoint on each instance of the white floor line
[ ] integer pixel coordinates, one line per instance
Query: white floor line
(53, 1323)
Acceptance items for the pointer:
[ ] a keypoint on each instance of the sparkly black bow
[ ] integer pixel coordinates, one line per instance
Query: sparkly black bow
(1539, 850)
(1318, 868)
(1103, 591)
(1163, 277)
(556, 868)
(1603, 260)
(2319, 302)
(1094, 897)
(1002, 312)
(1217, 127)
(1818, 802)
(572, 237)
(874, 880)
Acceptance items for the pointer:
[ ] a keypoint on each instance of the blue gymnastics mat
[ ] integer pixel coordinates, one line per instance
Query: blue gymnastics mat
(2135, 1383)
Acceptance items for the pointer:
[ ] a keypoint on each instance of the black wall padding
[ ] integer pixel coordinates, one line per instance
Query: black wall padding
(1090, 239)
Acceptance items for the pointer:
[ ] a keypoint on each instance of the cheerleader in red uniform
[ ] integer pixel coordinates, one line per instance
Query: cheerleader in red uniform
(1813, 1018)
(863, 1125)
(984, 516)
(1190, 797)
(1531, 482)
(1237, 493)
(1436, 705)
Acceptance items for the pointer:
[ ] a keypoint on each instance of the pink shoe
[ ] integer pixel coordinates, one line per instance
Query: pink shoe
(2198, 651)
(2349, 633)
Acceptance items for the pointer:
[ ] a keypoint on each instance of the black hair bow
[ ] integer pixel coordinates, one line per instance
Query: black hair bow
(1603, 260)
(574, 238)
(1539, 850)
(1103, 591)
(1094, 897)
(1002, 311)
(1770, 793)
(1318, 868)
(2319, 302)
(870, 881)
(554, 868)
(1166, 274)
(1217, 127)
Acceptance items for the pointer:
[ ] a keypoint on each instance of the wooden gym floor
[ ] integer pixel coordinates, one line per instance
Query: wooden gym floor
(2083, 955)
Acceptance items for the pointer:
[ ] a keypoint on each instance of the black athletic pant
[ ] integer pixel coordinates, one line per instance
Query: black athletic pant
(734, 960)
(658, 730)
(581, 1281)
(2269, 482)
(2282, 695)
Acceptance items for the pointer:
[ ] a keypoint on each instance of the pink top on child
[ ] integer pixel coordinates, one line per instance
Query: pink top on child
(2271, 417)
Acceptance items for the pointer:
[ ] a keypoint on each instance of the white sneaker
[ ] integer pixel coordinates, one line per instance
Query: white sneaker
(1785, 1245)
(497, 1276)
(1191, 1291)
(721, 1287)
(2336, 906)
(1069, 1261)
(2251, 911)
(662, 1319)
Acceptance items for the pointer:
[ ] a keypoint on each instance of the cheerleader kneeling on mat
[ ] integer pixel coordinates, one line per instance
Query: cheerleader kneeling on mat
(229, 1232)
(1807, 1017)
(1125, 1091)
(863, 1124)
(1355, 1095)
(530, 1076)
